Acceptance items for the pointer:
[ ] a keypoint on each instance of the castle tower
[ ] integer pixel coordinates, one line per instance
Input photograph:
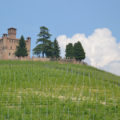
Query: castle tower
(12, 33)
(8, 44)
(4, 46)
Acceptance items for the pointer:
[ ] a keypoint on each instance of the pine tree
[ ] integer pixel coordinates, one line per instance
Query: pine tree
(79, 53)
(21, 50)
(37, 50)
(49, 49)
(42, 41)
(56, 49)
(69, 51)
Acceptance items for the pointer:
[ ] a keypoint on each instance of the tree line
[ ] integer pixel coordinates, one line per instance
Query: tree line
(75, 51)
(46, 48)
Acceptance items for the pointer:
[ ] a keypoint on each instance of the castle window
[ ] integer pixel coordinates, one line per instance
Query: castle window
(11, 47)
(9, 54)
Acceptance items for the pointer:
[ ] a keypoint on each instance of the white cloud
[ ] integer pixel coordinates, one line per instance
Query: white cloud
(113, 67)
(101, 47)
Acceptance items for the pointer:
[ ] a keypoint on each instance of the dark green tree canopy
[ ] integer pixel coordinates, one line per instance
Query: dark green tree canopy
(79, 53)
(69, 51)
(49, 49)
(38, 50)
(56, 49)
(44, 35)
(21, 50)
(42, 42)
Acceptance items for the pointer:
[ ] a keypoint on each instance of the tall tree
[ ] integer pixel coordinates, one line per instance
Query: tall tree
(49, 49)
(42, 41)
(79, 53)
(56, 49)
(69, 51)
(21, 50)
(37, 50)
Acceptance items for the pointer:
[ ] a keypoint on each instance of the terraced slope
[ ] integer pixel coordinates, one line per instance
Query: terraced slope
(53, 91)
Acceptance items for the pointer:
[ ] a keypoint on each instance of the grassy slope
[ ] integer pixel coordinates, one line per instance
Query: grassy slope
(54, 91)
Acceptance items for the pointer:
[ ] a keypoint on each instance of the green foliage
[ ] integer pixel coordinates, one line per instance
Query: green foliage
(52, 91)
(56, 49)
(45, 46)
(49, 50)
(43, 41)
(79, 53)
(69, 51)
(38, 50)
(21, 50)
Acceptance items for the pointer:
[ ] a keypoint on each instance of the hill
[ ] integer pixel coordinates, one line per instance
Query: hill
(53, 91)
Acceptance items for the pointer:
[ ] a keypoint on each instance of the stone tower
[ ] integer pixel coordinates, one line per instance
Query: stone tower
(8, 44)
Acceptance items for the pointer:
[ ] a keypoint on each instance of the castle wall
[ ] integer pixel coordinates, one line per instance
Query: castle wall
(1, 46)
(28, 45)
(11, 48)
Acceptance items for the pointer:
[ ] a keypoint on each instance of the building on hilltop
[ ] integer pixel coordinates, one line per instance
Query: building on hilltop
(8, 44)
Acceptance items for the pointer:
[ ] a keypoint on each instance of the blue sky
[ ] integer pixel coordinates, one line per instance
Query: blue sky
(60, 16)
(64, 17)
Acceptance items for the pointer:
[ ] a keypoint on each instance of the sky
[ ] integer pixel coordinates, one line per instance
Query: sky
(95, 23)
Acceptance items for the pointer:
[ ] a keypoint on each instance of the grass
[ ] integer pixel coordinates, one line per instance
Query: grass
(53, 91)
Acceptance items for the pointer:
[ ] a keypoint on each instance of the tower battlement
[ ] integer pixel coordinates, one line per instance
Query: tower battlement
(12, 32)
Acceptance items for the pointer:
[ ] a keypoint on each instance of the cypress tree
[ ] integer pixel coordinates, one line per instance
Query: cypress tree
(56, 49)
(79, 53)
(49, 49)
(21, 50)
(69, 51)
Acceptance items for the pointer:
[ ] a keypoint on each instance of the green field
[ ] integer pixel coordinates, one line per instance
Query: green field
(53, 91)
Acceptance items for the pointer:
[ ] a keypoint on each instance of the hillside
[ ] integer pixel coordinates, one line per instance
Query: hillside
(53, 91)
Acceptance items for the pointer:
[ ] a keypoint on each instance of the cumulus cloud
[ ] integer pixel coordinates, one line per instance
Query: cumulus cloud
(113, 67)
(101, 47)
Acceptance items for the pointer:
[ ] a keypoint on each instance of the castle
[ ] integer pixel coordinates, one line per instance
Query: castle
(8, 44)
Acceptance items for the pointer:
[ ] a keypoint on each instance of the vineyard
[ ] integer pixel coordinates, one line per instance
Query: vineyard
(57, 91)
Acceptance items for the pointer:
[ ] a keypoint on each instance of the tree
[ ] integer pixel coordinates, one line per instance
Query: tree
(56, 49)
(69, 51)
(79, 53)
(42, 41)
(49, 50)
(21, 50)
(37, 50)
